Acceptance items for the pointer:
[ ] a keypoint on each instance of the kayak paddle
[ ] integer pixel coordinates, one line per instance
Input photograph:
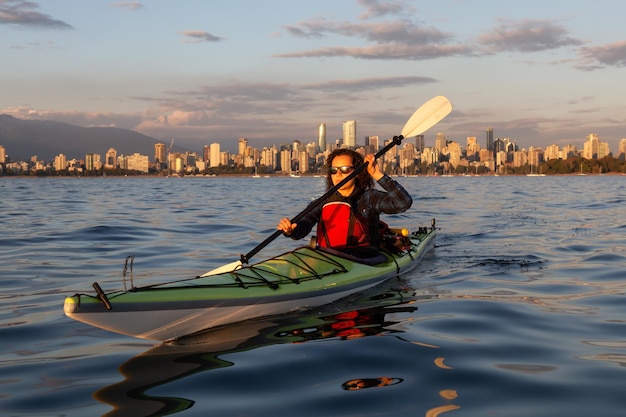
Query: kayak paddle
(428, 115)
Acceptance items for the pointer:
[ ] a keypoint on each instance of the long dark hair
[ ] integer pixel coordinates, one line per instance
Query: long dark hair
(363, 180)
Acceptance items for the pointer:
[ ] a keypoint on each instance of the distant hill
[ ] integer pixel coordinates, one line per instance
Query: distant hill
(24, 138)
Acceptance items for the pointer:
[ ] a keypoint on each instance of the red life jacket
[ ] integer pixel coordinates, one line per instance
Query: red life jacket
(340, 226)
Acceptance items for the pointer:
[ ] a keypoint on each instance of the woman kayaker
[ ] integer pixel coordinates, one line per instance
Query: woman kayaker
(350, 217)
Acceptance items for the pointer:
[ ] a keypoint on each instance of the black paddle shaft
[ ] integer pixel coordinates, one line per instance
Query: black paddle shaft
(246, 258)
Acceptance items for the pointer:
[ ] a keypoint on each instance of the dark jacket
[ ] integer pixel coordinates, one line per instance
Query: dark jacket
(369, 204)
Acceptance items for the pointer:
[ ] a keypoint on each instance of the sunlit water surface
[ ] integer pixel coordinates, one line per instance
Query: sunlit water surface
(519, 311)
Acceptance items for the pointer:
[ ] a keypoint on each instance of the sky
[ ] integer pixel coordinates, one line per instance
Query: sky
(539, 72)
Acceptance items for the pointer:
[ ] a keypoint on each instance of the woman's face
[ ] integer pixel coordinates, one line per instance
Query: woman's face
(340, 161)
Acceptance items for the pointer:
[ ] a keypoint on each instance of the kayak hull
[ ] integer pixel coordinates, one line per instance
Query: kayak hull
(303, 278)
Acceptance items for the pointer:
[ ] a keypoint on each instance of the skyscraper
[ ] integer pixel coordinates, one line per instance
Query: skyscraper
(440, 141)
(243, 145)
(215, 154)
(419, 143)
(349, 133)
(159, 152)
(374, 142)
(489, 139)
(321, 137)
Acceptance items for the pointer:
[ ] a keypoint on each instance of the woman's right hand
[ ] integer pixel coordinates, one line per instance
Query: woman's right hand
(286, 226)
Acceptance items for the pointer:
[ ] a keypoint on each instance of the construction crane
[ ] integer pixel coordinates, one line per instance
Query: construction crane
(169, 150)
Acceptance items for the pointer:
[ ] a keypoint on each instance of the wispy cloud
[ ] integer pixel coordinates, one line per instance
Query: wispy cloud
(196, 36)
(25, 13)
(384, 40)
(595, 57)
(128, 5)
(527, 35)
(375, 8)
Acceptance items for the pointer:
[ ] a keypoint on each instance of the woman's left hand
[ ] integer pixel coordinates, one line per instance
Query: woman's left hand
(372, 167)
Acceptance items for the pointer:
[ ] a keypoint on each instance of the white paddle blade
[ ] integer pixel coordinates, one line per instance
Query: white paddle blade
(233, 266)
(428, 115)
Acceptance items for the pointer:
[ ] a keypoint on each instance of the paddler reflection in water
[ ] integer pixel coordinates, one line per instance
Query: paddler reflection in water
(350, 217)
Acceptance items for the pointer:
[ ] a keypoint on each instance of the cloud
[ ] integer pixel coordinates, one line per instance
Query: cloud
(78, 118)
(197, 36)
(375, 9)
(401, 52)
(24, 13)
(391, 40)
(528, 35)
(382, 33)
(128, 5)
(596, 57)
(369, 84)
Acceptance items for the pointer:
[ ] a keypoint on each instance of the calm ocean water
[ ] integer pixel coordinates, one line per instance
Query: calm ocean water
(519, 311)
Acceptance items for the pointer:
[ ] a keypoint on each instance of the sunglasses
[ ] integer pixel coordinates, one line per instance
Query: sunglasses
(344, 169)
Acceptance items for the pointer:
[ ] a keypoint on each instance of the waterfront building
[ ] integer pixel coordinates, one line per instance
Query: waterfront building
(159, 153)
(486, 155)
(110, 158)
(593, 148)
(321, 137)
(552, 152)
(489, 139)
(440, 142)
(243, 145)
(303, 162)
(373, 141)
(311, 149)
(535, 156)
(349, 133)
(472, 148)
(138, 162)
(214, 159)
(60, 162)
(569, 151)
(268, 157)
(285, 161)
(420, 144)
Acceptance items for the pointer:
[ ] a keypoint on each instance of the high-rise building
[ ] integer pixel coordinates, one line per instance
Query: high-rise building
(349, 134)
(552, 152)
(60, 162)
(321, 137)
(285, 161)
(472, 149)
(243, 145)
(489, 139)
(3, 155)
(110, 158)
(89, 162)
(440, 142)
(215, 155)
(159, 152)
(594, 148)
(420, 144)
(374, 142)
(620, 152)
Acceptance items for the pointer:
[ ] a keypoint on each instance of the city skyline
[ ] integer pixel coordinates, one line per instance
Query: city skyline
(594, 147)
(538, 72)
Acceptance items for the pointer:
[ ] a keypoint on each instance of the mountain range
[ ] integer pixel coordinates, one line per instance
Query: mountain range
(22, 139)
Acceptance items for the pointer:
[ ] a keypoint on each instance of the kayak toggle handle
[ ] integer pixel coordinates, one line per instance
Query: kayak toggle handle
(102, 296)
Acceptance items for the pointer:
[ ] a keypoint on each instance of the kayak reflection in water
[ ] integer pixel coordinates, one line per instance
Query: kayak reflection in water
(350, 217)
(206, 351)
(361, 383)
